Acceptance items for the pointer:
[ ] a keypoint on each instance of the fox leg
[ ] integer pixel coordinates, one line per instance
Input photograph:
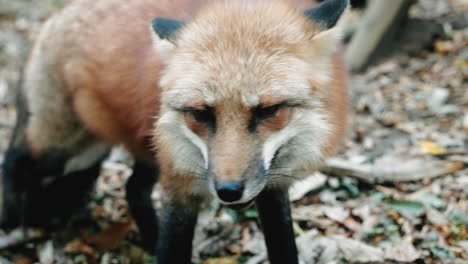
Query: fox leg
(17, 161)
(53, 183)
(176, 230)
(52, 160)
(275, 216)
(62, 194)
(138, 193)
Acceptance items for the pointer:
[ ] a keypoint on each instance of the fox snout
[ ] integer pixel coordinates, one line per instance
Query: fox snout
(238, 188)
(230, 191)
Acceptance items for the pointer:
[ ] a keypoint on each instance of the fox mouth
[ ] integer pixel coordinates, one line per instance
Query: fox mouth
(240, 206)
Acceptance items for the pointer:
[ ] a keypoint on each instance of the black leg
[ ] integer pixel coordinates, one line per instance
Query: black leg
(23, 175)
(176, 230)
(35, 191)
(62, 197)
(275, 215)
(15, 169)
(139, 188)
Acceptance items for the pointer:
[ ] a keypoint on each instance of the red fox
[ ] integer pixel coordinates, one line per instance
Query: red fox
(229, 99)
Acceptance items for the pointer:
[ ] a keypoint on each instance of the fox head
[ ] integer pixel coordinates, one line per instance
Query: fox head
(244, 94)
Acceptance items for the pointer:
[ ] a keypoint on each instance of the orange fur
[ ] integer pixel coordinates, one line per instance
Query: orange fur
(112, 74)
(105, 61)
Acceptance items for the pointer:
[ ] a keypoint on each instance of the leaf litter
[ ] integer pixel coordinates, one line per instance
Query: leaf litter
(397, 193)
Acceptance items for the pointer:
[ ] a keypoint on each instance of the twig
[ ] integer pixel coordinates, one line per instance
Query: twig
(23, 242)
(397, 171)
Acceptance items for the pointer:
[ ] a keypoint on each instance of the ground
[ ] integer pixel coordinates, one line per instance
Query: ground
(397, 193)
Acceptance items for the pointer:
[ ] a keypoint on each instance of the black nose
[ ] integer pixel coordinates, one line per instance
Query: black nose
(230, 191)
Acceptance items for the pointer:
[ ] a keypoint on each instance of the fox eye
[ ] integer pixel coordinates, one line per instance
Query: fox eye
(202, 116)
(267, 112)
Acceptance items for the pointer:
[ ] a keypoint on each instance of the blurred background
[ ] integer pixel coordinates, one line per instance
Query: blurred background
(397, 193)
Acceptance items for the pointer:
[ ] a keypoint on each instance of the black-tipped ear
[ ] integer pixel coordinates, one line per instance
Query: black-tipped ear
(166, 28)
(327, 13)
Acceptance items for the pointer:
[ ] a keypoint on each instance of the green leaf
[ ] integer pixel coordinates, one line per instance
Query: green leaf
(441, 252)
(431, 199)
(351, 188)
(251, 213)
(406, 207)
(386, 227)
(457, 216)
(378, 196)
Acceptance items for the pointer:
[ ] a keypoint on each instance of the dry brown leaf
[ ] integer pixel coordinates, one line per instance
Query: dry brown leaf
(20, 260)
(444, 47)
(111, 237)
(78, 246)
(352, 224)
(220, 261)
(460, 63)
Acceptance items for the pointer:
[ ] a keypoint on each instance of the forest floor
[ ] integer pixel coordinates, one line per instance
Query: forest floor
(397, 193)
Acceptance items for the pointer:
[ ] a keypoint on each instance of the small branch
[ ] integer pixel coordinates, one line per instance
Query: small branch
(20, 243)
(394, 170)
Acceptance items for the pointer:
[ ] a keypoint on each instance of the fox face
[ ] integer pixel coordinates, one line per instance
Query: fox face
(245, 97)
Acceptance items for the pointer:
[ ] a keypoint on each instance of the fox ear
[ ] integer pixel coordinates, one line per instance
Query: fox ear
(166, 28)
(325, 42)
(164, 31)
(327, 13)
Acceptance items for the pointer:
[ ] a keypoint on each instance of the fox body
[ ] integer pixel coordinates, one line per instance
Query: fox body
(225, 99)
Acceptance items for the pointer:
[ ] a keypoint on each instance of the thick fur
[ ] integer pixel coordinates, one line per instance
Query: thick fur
(99, 75)
(274, 54)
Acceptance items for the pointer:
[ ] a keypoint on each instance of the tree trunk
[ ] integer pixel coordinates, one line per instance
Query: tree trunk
(376, 31)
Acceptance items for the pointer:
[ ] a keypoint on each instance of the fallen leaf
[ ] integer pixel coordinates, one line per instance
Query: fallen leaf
(336, 213)
(431, 199)
(465, 120)
(460, 63)
(78, 246)
(220, 261)
(46, 252)
(314, 249)
(403, 252)
(352, 224)
(111, 237)
(311, 183)
(435, 217)
(432, 148)
(356, 251)
(307, 212)
(257, 259)
(406, 207)
(464, 244)
(18, 260)
(256, 245)
(444, 47)
(440, 252)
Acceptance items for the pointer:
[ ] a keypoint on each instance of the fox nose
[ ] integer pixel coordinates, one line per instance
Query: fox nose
(230, 191)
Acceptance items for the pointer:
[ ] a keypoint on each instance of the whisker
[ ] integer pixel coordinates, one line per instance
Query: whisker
(279, 175)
